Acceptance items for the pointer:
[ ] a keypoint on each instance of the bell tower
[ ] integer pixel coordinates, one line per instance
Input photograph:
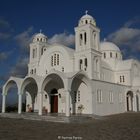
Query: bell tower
(87, 38)
(37, 47)
(87, 33)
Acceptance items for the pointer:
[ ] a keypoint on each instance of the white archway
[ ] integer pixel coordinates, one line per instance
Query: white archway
(129, 101)
(81, 95)
(29, 88)
(53, 89)
(10, 94)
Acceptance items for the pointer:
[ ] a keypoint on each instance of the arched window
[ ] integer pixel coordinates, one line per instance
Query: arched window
(81, 39)
(81, 63)
(55, 60)
(85, 38)
(104, 55)
(99, 96)
(33, 53)
(52, 60)
(116, 55)
(86, 62)
(111, 97)
(86, 22)
(110, 54)
(42, 51)
(62, 69)
(78, 96)
(34, 70)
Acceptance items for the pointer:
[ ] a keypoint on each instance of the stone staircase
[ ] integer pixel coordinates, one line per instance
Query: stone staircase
(52, 117)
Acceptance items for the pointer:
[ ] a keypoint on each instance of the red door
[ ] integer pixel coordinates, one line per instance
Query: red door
(54, 104)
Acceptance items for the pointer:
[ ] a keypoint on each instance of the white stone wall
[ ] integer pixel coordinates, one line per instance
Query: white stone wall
(106, 107)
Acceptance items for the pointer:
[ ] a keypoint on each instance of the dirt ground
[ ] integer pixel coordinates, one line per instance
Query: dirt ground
(116, 127)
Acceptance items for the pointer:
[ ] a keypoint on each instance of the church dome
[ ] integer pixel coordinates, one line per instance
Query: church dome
(87, 19)
(40, 37)
(136, 81)
(109, 46)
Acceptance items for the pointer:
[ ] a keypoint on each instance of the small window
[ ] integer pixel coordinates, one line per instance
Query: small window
(86, 22)
(99, 96)
(78, 96)
(57, 59)
(104, 55)
(75, 96)
(42, 51)
(111, 97)
(34, 70)
(116, 55)
(122, 79)
(81, 39)
(111, 54)
(54, 59)
(51, 60)
(85, 38)
(81, 62)
(62, 69)
(86, 62)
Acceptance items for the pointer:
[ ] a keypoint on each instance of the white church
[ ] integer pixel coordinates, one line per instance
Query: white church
(93, 78)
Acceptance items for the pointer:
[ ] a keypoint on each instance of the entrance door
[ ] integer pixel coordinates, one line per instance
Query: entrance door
(54, 104)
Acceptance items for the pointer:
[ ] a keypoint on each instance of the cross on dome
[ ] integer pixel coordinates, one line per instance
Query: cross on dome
(86, 12)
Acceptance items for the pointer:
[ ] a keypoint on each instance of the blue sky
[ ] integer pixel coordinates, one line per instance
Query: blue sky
(119, 22)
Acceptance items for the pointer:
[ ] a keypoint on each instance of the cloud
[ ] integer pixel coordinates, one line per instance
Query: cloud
(20, 69)
(4, 24)
(134, 21)
(3, 56)
(5, 30)
(63, 38)
(127, 37)
(23, 39)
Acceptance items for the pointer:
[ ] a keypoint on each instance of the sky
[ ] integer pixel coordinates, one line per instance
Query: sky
(119, 22)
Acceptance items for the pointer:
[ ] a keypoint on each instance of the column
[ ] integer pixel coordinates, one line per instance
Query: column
(129, 103)
(134, 103)
(3, 103)
(19, 103)
(67, 103)
(40, 103)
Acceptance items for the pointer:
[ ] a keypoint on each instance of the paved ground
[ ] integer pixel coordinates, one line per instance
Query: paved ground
(116, 127)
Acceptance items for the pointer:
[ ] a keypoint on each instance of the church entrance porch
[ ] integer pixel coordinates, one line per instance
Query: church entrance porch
(53, 88)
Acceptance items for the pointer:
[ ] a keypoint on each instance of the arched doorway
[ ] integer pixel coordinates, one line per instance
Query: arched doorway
(11, 90)
(54, 100)
(53, 86)
(137, 102)
(29, 89)
(80, 95)
(129, 100)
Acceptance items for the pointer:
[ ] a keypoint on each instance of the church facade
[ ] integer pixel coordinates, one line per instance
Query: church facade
(93, 78)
